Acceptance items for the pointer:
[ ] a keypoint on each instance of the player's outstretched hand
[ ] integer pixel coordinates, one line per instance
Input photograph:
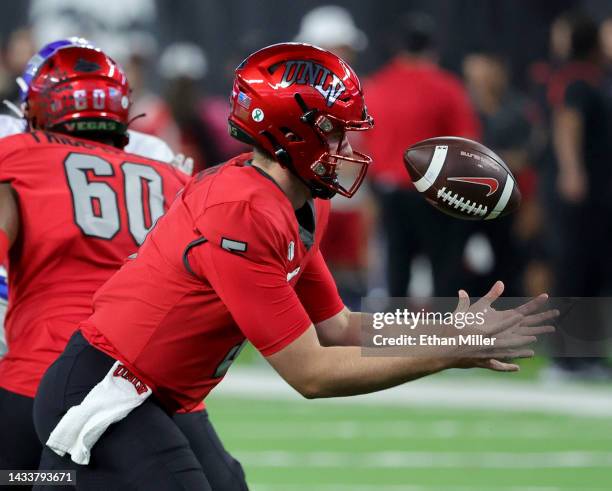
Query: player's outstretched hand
(511, 331)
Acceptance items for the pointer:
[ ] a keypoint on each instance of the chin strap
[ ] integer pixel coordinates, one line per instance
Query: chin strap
(321, 192)
(138, 116)
(316, 189)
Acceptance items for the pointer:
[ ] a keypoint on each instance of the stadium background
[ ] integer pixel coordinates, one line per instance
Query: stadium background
(458, 431)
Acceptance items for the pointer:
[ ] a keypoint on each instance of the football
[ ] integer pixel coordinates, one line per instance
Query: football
(462, 178)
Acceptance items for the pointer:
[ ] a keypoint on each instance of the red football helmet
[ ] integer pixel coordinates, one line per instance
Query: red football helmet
(289, 99)
(79, 90)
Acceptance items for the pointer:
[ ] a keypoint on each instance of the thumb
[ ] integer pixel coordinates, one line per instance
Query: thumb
(464, 301)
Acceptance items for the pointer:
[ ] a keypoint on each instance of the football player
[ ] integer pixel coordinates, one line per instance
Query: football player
(238, 255)
(72, 208)
(139, 143)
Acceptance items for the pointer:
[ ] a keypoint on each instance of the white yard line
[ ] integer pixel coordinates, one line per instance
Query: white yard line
(347, 429)
(426, 460)
(458, 393)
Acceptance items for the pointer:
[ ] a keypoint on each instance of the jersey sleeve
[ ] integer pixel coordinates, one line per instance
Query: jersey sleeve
(317, 290)
(243, 264)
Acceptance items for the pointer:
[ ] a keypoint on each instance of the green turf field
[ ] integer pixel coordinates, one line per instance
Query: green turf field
(326, 446)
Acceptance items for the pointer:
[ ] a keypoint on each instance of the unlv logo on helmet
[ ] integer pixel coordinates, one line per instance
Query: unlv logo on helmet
(310, 97)
(302, 72)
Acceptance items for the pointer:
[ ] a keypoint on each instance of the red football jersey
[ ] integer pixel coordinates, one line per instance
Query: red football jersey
(229, 261)
(83, 208)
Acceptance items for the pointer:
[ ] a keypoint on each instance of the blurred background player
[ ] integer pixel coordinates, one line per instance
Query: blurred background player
(201, 118)
(18, 49)
(500, 248)
(581, 138)
(332, 27)
(414, 99)
(152, 115)
(98, 239)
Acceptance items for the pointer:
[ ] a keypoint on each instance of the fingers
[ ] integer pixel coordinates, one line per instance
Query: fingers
(499, 366)
(535, 319)
(493, 294)
(464, 302)
(512, 354)
(514, 342)
(532, 305)
(503, 353)
(512, 321)
(533, 330)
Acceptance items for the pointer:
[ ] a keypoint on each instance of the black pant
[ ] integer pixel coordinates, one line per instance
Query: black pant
(413, 227)
(21, 449)
(583, 268)
(224, 473)
(19, 445)
(146, 450)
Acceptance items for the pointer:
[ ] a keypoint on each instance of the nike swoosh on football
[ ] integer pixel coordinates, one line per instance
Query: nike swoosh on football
(490, 182)
(293, 273)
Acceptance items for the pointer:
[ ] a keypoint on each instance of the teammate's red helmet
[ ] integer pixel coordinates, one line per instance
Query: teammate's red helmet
(288, 99)
(77, 90)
